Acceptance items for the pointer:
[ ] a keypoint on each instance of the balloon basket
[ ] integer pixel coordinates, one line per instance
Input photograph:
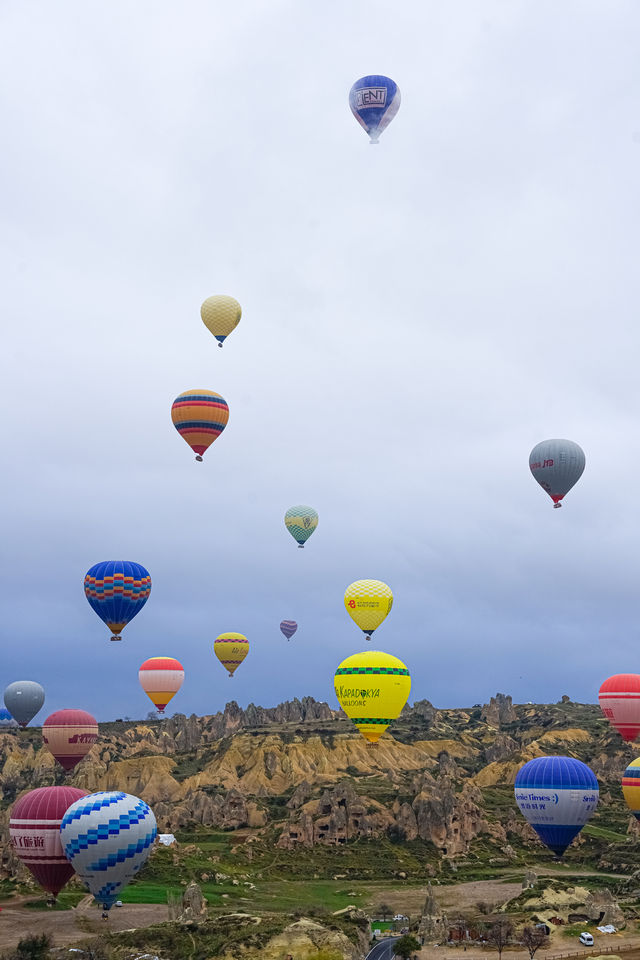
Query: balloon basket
(220, 345)
(198, 457)
(114, 637)
(557, 506)
(301, 546)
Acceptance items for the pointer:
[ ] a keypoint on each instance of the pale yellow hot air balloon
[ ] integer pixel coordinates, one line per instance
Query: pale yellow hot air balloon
(220, 316)
(368, 602)
(372, 687)
(231, 649)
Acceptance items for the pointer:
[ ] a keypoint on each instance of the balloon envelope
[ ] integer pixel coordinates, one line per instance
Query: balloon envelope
(368, 602)
(69, 735)
(231, 649)
(372, 688)
(117, 590)
(374, 102)
(161, 678)
(557, 795)
(199, 416)
(288, 628)
(23, 699)
(107, 838)
(301, 521)
(619, 698)
(34, 829)
(557, 465)
(220, 316)
(631, 787)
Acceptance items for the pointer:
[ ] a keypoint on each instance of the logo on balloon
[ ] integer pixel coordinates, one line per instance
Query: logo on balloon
(371, 97)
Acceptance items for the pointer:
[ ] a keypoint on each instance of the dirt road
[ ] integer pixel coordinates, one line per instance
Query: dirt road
(69, 926)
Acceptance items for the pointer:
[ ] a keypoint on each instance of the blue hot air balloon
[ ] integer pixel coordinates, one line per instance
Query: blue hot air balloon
(557, 795)
(117, 590)
(374, 102)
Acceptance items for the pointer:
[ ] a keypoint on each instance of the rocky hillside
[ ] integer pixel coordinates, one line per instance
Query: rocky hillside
(298, 777)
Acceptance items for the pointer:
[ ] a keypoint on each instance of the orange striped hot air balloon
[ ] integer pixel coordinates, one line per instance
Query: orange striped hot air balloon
(231, 649)
(199, 416)
(161, 678)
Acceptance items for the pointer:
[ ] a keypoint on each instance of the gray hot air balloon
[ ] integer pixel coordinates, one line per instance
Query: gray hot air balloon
(557, 465)
(23, 699)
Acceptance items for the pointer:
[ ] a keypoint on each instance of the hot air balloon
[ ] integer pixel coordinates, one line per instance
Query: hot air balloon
(117, 590)
(301, 521)
(231, 649)
(374, 102)
(220, 316)
(372, 688)
(557, 795)
(199, 416)
(631, 787)
(368, 602)
(6, 720)
(288, 628)
(557, 465)
(34, 829)
(619, 698)
(23, 699)
(107, 838)
(69, 735)
(161, 678)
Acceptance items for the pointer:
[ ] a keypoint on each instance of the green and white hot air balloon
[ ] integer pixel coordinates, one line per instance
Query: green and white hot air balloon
(301, 521)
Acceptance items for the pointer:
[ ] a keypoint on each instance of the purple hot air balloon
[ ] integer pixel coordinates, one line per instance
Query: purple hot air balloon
(288, 627)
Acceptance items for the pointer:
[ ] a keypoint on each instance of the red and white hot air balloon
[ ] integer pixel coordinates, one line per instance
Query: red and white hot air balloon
(619, 698)
(161, 678)
(34, 831)
(69, 735)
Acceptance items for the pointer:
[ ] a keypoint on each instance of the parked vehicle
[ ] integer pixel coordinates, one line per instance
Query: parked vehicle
(586, 939)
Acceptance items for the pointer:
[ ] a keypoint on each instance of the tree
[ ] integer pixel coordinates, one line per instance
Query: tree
(384, 910)
(499, 934)
(533, 938)
(405, 946)
(35, 947)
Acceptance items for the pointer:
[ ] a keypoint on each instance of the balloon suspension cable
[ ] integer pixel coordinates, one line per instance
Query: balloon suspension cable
(557, 506)
(198, 457)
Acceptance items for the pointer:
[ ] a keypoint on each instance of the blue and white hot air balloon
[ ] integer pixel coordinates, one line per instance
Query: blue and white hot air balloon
(557, 795)
(374, 102)
(107, 838)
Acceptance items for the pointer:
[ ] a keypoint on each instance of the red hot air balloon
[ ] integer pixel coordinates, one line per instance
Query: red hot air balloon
(69, 735)
(34, 830)
(619, 698)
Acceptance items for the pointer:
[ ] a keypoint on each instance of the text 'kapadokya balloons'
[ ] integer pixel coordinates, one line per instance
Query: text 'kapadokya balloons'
(374, 102)
(220, 316)
(557, 795)
(34, 830)
(372, 688)
(619, 698)
(161, 678)
(231, 649)
(631, 787)
(557, 465)
(69, 735)
(288, 628)
(117, 590)
(368, 602)
(107, 838)
(301, 521)
(23, 699)
(200, 416)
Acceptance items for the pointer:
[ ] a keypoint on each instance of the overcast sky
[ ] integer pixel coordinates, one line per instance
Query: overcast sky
(416, 316)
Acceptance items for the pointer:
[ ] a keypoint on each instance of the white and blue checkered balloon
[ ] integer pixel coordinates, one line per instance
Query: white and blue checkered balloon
(107, 838)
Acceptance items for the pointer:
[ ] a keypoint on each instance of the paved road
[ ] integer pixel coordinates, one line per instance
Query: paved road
(383, 950)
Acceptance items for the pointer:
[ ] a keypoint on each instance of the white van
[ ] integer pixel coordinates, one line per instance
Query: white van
(586, 939)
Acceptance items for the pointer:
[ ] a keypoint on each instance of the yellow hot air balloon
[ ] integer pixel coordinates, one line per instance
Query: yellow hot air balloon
(231, 649)
(372, 688)
(220, 315)
(368, 602)
(631, 787)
